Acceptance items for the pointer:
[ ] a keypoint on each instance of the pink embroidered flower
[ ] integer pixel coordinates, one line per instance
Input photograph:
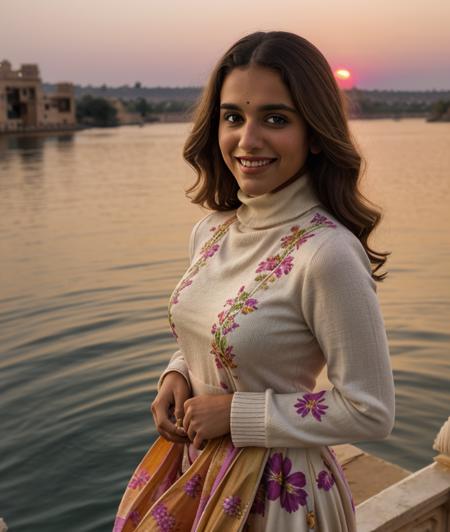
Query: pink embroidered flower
(283, 484)
(303, 239)
(185, 283)
(224, 385)
(193, 485)
(210, 251)
(139, 479)
(285, 266)
(298, 237)
(290, 239)
(223, 356)
(232, 506)
(229, 325)
(320, 219)
(325, 480)
(311, 402)
(165, 521)
(249, 305)
(221, 316)
(268, 265)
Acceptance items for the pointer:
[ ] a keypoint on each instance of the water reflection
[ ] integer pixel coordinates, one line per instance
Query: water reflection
(30, 148)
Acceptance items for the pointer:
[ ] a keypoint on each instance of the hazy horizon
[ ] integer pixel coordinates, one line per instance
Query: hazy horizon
(385, 45)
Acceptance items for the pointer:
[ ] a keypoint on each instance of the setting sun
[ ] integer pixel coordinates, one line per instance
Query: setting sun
(342, 73)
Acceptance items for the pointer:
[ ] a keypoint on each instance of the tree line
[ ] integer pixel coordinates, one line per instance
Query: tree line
(100, 112)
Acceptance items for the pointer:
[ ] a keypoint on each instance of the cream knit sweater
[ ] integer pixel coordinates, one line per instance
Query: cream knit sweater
(276, 290)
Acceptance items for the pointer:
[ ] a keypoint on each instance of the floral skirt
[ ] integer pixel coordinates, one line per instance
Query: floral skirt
(227, 489)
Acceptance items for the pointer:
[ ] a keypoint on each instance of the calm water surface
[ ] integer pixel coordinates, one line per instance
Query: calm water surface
(93, 238)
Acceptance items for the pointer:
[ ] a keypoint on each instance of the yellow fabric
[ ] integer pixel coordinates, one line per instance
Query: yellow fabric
(239, 481)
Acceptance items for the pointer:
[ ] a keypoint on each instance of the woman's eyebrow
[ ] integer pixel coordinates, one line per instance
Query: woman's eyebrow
(266, 107)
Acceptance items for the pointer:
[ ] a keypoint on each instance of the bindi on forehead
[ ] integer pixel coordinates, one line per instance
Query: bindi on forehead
(248, 103)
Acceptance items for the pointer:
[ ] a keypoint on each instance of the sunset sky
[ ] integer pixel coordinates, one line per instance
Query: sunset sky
(385, 44)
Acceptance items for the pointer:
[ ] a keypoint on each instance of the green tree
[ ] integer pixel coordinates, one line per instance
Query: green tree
(97, 112)
(143, 107)
(440, 107)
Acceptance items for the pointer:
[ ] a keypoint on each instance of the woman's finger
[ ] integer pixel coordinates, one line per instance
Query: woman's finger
(187, 420)
(191, 433)
(169, 432)
(173, 438)
(179, 414)
(164, 425)
(179, 405)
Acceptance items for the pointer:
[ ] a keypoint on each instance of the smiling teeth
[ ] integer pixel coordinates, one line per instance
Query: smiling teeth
(254, 163)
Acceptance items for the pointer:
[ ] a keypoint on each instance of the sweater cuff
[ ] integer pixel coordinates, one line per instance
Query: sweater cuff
(247, 420)
(180, 367)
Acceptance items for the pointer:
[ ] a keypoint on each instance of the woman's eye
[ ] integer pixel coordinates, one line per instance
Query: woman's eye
(277, 120)
(231, 117)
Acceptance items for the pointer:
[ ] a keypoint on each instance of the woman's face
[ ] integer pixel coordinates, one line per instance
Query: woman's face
(262, 137)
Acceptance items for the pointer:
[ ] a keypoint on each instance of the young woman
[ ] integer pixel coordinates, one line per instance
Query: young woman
(281, 282)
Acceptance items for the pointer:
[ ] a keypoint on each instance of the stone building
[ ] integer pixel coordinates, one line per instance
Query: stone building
(24, 106)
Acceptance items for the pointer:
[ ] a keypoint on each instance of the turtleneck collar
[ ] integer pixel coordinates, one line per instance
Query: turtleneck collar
(275, 208)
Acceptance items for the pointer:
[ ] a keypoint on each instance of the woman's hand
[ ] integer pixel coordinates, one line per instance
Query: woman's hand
(173, 393)
(207, 417)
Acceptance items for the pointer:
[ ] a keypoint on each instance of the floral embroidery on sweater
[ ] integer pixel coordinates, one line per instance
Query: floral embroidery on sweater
(208, 250)
(283, 484)
(312, 402)
(223, 353)
(268, 271)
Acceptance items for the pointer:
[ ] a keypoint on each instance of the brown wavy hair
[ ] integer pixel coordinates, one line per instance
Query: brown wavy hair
(335, 171)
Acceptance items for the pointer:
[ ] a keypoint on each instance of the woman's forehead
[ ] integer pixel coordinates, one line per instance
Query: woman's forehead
(254, 85)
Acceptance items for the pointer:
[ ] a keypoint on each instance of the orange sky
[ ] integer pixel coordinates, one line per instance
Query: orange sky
(394, 44)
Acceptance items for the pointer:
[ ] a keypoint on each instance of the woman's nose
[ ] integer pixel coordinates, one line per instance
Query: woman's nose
(251, 137)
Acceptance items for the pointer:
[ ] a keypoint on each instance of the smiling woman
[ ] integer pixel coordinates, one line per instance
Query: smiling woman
(280, 284)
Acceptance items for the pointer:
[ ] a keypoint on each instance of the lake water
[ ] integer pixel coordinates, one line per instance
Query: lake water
(93, 238)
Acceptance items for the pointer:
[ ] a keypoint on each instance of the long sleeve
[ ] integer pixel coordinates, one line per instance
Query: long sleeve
(177, 362)
(340, 306)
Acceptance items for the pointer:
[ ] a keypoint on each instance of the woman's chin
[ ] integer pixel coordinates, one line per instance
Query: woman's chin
(254, 189)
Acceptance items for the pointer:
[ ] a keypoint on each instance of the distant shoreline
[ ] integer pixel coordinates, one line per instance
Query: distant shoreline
(62, 131)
